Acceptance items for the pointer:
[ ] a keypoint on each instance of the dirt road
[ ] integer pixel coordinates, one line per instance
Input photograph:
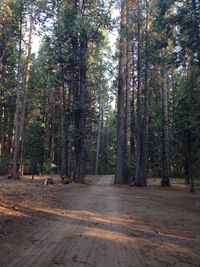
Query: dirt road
(103, 225)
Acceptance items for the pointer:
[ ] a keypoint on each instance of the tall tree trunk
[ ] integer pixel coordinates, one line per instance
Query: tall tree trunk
(64, 147)
(127, 150)
(119, 177)
(133, 113)
(145, 123)
(80, 113)
(81, 118)
(165, 143)
(1, 90)
(27, 79)
(16, 143)
(20, 116)
(139, 179)
(143, 118)
(75, 91)
(48, 109)
(127, 130)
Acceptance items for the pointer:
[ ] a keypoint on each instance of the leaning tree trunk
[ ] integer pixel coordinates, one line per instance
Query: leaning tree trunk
(165, 142)
(119, 177)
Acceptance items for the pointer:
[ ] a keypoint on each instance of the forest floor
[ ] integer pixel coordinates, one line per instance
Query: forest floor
(98, 224)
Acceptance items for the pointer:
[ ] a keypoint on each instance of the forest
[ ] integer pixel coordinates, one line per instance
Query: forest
(58, 104)
(99, 133)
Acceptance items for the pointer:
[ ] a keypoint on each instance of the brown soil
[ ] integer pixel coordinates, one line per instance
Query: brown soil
(97, 225)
